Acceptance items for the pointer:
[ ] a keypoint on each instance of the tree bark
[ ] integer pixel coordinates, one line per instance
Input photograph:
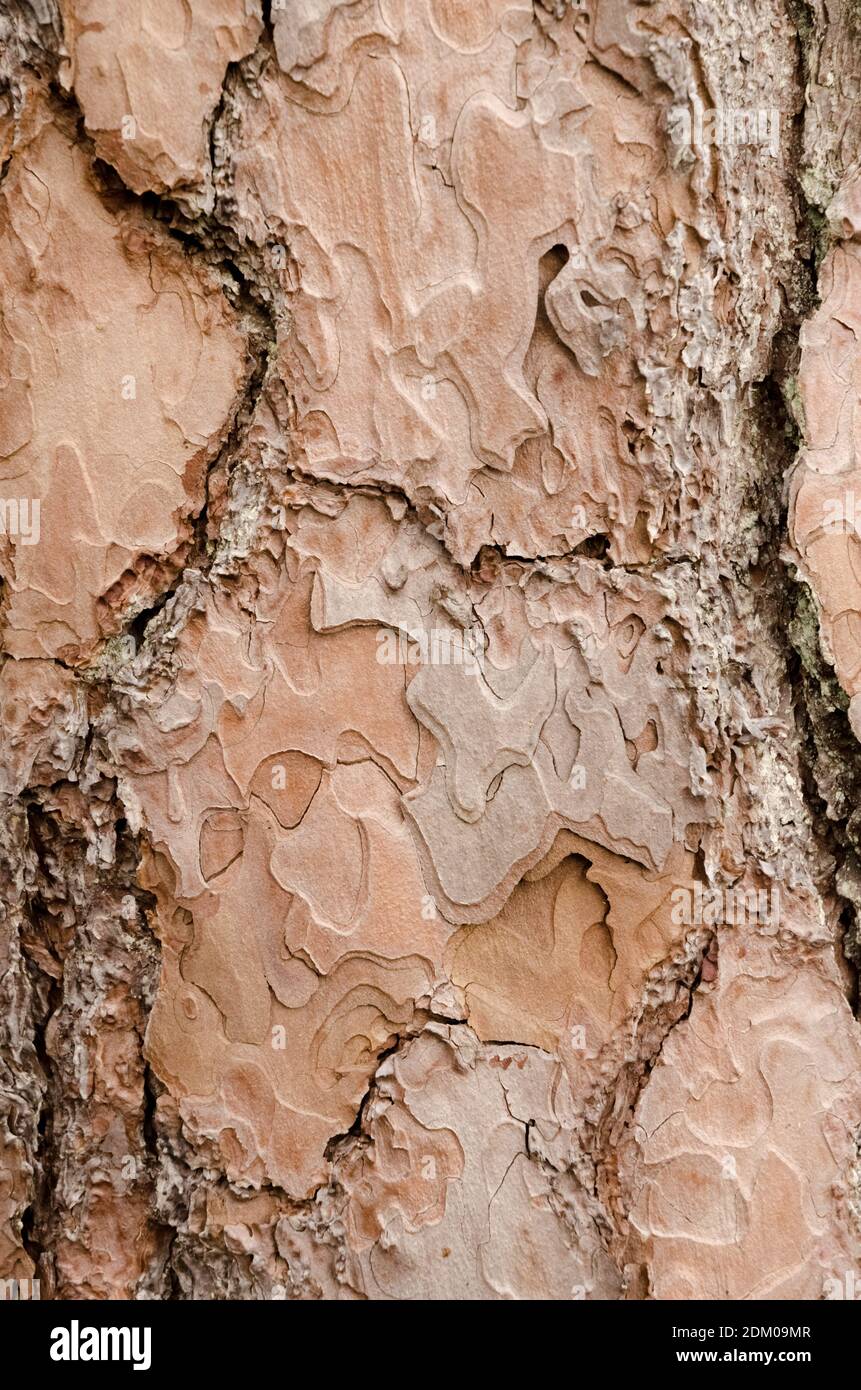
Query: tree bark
(431, 616)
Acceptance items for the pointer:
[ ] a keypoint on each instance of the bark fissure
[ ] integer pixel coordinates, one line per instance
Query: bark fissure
(430, 862)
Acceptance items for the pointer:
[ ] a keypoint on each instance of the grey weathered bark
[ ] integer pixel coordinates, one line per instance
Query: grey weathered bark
(432, 632)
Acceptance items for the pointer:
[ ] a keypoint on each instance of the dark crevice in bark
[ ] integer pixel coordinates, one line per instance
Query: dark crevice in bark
(200, 555)
(153, 1142)
(357, 1129)
(47, 993)
(826, 754)
(46, 996)
(831, 762)
(803, 17)
(604, 1131)
(829, 753)
(254, 293)
(73, 916)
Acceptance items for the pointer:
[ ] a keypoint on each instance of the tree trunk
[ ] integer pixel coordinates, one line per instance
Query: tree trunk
(431, 618)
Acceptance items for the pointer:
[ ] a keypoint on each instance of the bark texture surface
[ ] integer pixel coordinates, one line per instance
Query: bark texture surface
(431, 627)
